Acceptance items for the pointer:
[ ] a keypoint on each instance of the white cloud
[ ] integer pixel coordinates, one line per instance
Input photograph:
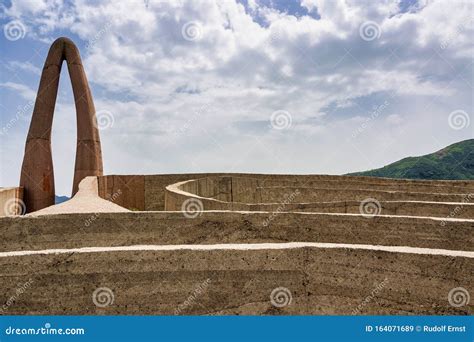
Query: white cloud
(154, 80)
(26, 66)
(394, 119)
(23, 90)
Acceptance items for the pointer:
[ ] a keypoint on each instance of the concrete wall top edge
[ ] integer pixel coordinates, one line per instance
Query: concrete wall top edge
(218, 214)
(10, 188)
(210, 174)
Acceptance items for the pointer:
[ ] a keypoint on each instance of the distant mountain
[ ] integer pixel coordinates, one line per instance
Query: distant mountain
(453, 162)
(60, 199)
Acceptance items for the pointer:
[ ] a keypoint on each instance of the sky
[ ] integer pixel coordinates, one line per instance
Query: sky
(261, 86)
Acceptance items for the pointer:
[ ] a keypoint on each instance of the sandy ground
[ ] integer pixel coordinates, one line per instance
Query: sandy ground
(86, 200)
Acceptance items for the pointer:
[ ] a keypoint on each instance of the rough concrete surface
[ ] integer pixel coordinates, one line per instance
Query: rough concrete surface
(327, 256)
(319, 281)
(11, 201)
(130, 228)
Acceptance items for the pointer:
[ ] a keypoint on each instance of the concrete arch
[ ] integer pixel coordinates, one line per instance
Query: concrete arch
(37, 174)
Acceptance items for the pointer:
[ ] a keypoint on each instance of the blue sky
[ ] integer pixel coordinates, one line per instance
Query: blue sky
(315, 86)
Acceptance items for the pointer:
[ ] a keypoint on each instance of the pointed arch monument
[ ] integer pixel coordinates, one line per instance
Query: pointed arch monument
(37, 174)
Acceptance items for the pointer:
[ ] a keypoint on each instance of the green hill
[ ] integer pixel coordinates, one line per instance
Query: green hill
(453, 162)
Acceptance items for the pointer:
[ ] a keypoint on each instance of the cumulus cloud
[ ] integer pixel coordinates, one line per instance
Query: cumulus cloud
(27, 66)
(192, 85)
(19, 89)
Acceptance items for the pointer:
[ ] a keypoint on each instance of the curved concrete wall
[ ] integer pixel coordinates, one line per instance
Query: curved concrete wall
(413, 261)
(226, 193)
(147, 192)
(172, 228)
(276, 194)
(321, 281)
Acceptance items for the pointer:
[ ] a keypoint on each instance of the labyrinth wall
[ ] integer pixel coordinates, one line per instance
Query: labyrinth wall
(166, 228)
(321, 281)
(251, 234)
(139, 192)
